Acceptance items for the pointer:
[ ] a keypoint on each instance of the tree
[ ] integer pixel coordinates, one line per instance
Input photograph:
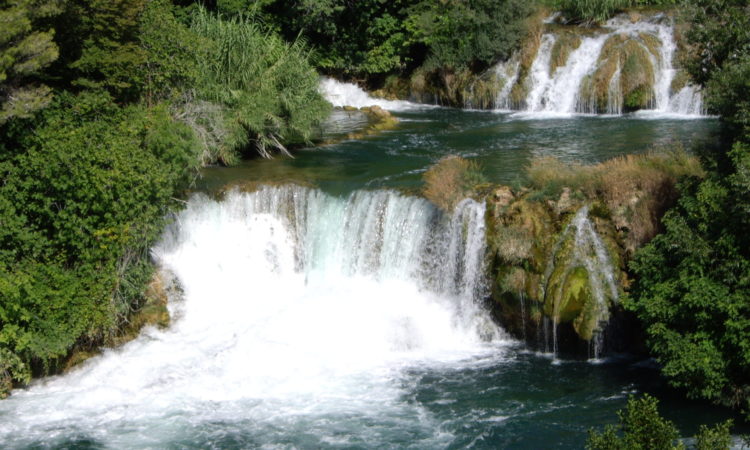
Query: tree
(24, 51)
(692, 291)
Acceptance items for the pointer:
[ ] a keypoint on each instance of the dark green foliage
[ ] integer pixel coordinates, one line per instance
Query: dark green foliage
(714, 438)
(472, 33)
(693, 282)
(26, 48)
(172, 53)
(641, 427)
(376, 37)
(99, 41)
(720, 45)
(81, 206)
(601, 10)
(693, 290)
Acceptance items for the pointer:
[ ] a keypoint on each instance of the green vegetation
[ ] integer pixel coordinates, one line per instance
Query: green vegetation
(692, 291)
(263, 89)
(595, 11)
(642, 427)
(26, 47)
(107, 110)
(373, 38)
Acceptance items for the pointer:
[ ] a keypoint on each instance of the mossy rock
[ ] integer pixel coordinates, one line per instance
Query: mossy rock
(6, 384)
(482, 92)
(632, 56)
(651, 42)
(565, 44)
(637, 76)
(680, 80)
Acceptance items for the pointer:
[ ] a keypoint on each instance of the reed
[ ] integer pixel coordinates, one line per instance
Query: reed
(266, 87)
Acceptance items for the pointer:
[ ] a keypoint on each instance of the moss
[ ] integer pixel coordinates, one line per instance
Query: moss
(77, 358)
(681, 79)
(637, 76)
(482, 92)
(632, 56)
(6, 384)
(565, 44)
(651, 42)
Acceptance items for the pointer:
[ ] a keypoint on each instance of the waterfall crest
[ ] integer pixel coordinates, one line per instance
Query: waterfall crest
(296, 305)
(625, 66)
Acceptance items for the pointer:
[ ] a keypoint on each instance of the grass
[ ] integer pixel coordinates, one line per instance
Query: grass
(635, 190)
(451, 180)
(255, 91)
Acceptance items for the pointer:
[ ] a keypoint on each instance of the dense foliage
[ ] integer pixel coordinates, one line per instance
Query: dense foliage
(693, 282)
(369, 38)
(107, 108)
(642, 427)
(601, 10)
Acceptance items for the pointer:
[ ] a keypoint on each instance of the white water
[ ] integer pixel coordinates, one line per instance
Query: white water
(349, 94)
(590, 253)
(558, 93)
(300, 314)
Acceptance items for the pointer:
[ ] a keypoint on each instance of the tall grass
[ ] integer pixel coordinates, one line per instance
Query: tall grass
(635, 189)
(267, 89)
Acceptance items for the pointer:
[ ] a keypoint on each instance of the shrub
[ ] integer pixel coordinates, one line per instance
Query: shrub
(80, 208)
(451, 180)
(642, 427)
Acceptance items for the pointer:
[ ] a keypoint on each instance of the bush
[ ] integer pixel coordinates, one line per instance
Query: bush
(642, 427)
(80, 208)
(451, 180)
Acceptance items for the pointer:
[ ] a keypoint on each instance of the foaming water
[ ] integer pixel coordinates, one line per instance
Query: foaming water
(301, 316)
(348, 94)
(565, 89)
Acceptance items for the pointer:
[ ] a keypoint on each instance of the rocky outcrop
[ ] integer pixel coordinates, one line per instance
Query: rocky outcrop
(555, 265)
(559, 248)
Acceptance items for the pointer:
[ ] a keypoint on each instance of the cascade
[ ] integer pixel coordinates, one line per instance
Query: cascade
(579, 257)
(599, 71)
(341, 94)
(296, 306)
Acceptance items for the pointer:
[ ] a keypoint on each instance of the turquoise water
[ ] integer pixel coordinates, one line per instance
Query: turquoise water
(259, 356)
(502, 143)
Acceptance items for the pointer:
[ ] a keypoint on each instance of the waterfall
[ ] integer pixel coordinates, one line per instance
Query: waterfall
(341, 94)
(299, 309)
(593, 60)
(580, 247)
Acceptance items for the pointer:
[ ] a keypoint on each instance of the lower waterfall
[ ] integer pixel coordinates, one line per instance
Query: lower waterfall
(299, 312)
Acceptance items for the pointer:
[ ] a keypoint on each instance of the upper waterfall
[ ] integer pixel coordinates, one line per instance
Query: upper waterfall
(626, 65)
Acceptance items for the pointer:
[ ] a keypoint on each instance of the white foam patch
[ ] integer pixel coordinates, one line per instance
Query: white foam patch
(349, 94)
